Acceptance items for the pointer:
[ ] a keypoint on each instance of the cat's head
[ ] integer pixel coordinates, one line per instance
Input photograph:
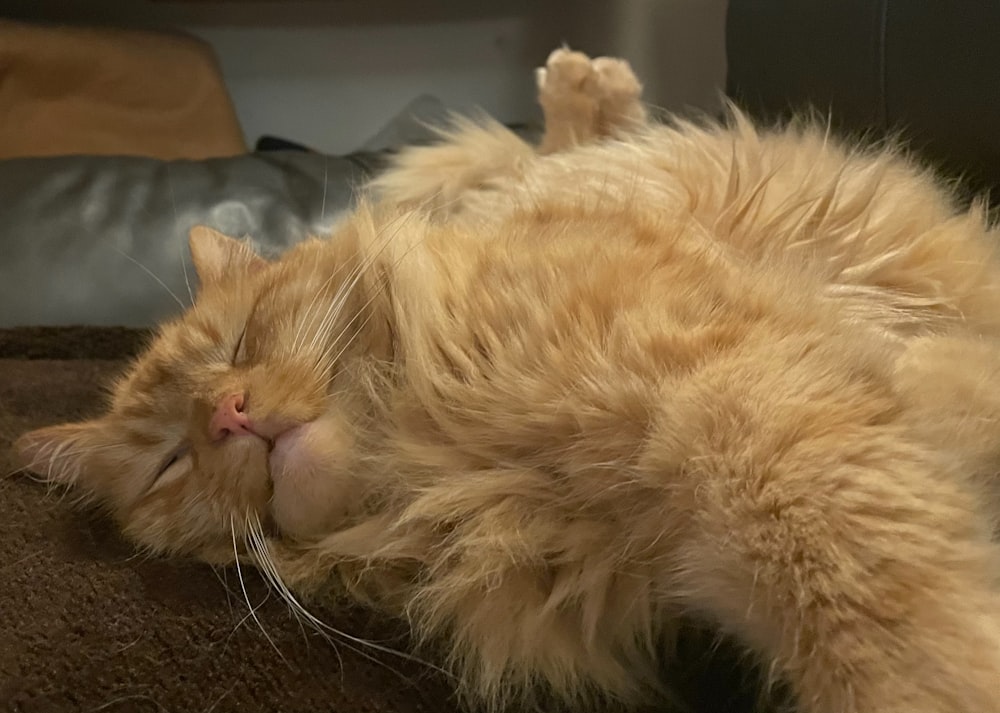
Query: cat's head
(241, 412)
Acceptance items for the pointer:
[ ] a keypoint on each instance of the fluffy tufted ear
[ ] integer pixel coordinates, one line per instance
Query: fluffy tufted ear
(216, 255)
(62, 454)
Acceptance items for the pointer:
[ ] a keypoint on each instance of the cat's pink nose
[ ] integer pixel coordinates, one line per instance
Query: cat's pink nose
(229, 418)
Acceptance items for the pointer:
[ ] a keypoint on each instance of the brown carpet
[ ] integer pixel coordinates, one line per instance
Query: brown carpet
(85, 625)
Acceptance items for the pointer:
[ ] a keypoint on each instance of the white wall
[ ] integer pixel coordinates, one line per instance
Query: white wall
(329, 74)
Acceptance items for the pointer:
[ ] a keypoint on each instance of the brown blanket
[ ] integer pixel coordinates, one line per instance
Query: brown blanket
(88, 625)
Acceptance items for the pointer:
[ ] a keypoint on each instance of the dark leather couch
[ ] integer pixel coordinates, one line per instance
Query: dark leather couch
(929, 69)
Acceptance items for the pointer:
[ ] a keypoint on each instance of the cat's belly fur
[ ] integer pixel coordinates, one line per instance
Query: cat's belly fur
(600, 418)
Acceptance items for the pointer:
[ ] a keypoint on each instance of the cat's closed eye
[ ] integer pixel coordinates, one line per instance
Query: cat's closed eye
(175, 456)
(238, 351)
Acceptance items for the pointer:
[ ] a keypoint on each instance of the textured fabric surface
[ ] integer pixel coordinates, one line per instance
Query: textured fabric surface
(88, 625)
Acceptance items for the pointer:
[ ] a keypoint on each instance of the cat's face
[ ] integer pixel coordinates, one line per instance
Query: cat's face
(238, 418)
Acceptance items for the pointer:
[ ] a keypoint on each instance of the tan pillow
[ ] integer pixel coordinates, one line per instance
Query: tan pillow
(70, 90)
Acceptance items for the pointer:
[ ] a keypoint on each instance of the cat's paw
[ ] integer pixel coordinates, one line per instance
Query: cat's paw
(566, 74)
(585, 99)
(619, 92)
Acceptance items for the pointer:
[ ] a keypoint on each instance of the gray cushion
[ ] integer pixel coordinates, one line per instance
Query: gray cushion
(87, 240)
(103, 240)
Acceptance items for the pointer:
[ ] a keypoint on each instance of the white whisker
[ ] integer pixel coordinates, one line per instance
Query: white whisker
(151, 274)
(246, 596)
(220, 699)
(310, 313)
(358, 273)
(180, 245)
(132, 697)
(255, 531)
(326, 176)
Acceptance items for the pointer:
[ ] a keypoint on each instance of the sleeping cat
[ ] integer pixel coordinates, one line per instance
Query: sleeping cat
(541, 403)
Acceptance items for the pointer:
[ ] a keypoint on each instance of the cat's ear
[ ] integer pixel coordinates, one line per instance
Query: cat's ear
(61, 454)
(216, 256)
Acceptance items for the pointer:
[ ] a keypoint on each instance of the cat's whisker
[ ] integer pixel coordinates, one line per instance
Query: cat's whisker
(246, 596)
(254, 537)
(309, 312)
(122, 699)
(308, 315)
(326, 176)
(245, 618)
(323, 358)
(181, 244)
(378, 290)
(343, 294)
(187, 281)
(356, 274)
(267, 565)
(308, 320)
(340, 298)
(151, 274)
(350, 341)
(220, 574)
(48, 465)
(21, 560)
(219, 700)
(333, 308)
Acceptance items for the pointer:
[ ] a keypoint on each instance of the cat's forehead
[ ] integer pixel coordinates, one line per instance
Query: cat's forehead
(177, 353)
(199, 334)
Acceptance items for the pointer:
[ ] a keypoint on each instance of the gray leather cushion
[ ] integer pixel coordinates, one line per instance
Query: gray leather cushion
(87, 240)
(103, 240)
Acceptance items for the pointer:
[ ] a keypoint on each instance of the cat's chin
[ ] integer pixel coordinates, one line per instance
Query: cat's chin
(312, 493)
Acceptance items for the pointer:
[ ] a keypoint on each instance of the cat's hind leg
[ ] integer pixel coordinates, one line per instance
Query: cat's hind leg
(472, 168)
(586, 99)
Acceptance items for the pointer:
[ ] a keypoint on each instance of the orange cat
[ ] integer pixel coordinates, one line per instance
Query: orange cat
(542, 404)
